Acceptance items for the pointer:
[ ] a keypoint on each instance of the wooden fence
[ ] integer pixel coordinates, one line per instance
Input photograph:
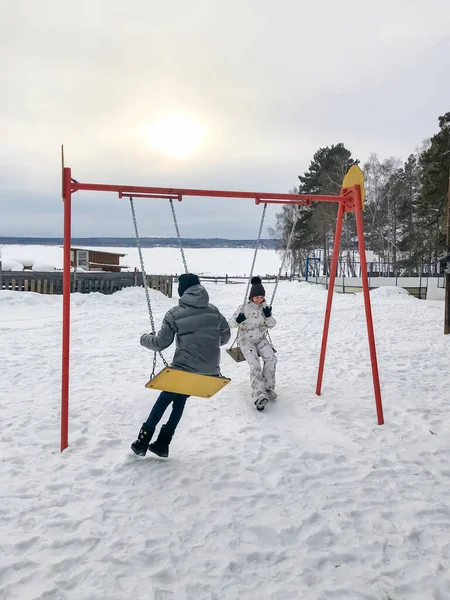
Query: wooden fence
(230, 279)
(82, 282)
(104, 282)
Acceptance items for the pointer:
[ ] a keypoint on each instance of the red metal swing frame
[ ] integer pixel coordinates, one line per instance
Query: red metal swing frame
(349, 200)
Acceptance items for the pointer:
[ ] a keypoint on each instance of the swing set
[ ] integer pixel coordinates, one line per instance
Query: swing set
(350, 199)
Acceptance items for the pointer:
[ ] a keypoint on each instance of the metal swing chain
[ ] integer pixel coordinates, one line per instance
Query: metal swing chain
(178, 236)
(175, 220)
(288, 245)
(258, 241)
(146, 288)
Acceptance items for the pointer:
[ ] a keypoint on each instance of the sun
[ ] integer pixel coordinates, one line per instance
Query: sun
(176, 134)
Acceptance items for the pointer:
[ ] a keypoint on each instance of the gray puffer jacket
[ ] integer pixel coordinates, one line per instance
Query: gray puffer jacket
(200, 330)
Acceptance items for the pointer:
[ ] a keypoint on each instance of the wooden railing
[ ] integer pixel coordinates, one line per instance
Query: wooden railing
(242, 278)
(82, 282)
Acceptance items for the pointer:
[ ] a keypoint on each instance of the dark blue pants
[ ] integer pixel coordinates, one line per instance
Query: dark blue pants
(164, 399)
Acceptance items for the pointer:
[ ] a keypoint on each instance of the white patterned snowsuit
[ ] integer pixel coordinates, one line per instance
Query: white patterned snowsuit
(253, 342)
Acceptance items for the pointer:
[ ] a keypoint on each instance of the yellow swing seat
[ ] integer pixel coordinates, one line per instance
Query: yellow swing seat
(190, 384)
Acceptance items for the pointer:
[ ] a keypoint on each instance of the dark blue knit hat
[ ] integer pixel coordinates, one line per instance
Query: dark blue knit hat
(186, 281)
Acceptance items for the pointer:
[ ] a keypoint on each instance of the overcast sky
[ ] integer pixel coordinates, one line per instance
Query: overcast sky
(262, 84)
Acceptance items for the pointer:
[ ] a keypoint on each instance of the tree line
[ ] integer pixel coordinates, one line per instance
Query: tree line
(405, 209)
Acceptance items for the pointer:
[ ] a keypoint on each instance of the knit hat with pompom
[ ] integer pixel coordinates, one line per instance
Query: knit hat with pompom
(257, 288)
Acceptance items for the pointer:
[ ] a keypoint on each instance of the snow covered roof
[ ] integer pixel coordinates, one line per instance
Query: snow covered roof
(98, 249)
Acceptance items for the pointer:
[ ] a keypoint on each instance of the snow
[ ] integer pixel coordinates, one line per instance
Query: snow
(309, 500)
(18, 264)
(42, 267)
(26, 262)
(11, 265)
(389, 291)
(163, 261)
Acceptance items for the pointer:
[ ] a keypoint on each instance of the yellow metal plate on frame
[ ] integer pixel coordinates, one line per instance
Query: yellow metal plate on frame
(355, 176)
(191, 384)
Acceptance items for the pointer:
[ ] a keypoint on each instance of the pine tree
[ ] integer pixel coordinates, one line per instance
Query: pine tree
(411, 244)
(435, 165)
(316, 224)
(325, 176)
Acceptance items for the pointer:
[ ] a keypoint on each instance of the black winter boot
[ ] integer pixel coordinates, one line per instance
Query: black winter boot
(261, 403)
(161, 446)
(140, 446)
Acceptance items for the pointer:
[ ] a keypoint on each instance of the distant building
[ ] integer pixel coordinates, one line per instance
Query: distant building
(96, 260)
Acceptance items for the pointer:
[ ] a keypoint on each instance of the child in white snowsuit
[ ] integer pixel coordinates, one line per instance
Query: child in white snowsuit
(254, 319)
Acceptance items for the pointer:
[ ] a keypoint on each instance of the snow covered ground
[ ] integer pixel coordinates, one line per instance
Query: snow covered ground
(309, 500)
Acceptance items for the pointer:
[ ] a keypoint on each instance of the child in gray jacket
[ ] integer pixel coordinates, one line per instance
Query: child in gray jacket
(200, 329)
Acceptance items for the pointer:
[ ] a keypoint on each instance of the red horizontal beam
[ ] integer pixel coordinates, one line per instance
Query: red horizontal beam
(259, 197)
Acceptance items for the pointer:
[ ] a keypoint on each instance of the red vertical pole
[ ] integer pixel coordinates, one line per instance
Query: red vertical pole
(67, 180)
(326, 325)
(366, 292)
